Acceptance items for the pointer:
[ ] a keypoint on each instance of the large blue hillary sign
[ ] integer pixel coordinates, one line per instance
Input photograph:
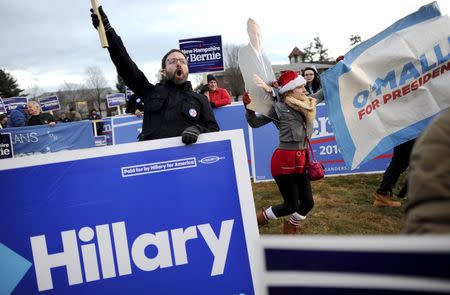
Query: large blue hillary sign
(138, 218)
(43, 138)
(203, 54)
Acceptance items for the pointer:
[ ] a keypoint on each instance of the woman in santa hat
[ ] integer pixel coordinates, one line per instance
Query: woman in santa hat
(294, 115)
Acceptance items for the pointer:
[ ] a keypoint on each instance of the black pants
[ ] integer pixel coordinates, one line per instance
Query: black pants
(398, 164)
(297, 195)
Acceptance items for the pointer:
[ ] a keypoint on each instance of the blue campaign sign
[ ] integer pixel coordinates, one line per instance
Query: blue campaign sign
(6, 147)
(11, 103)
(147, 218)
(126, 129)
(100, 140)
(231, 117)
(115, 100)
(264, 141)
(2, 106)
(108, 130)
(354, 265)
(44, 139)
(326, 149)
(50, 103)
(204, 54)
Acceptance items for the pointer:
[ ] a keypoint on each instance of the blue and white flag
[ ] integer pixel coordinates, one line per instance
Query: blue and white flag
(387, 89)
(43, 139)
(50, 103)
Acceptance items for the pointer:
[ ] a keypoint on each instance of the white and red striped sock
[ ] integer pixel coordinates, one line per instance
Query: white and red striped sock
(296, 218)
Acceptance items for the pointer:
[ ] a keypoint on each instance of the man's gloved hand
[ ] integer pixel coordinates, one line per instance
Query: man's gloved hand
(96, 22)
(190, 135)
(204, 88)
(213, 105)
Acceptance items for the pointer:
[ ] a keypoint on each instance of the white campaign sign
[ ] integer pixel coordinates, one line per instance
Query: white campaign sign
(390, 86)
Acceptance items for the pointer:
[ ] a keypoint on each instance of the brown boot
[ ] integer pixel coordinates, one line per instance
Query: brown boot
(385, 201)
(261, 218)
(289, 228)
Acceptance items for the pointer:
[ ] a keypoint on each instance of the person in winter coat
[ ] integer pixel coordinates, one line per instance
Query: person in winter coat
(218, 97)
(37, 117)
(171, 107)
(312, 80)
(18, 117)
(294, 115)
(428, 205)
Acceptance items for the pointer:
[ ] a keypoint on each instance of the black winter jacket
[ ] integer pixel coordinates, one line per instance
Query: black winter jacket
(168, 108)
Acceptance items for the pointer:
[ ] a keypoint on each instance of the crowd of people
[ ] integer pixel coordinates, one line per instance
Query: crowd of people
(172, 108)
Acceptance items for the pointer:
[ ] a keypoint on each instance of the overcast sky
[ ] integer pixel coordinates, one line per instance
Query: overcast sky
(45, 43)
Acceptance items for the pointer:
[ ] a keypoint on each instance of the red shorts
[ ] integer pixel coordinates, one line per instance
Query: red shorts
(288, 162)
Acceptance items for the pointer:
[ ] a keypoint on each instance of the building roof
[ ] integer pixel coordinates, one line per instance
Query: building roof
(296, 52)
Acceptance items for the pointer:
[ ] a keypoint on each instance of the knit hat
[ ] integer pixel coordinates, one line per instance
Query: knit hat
(210, 78)
(290, 80)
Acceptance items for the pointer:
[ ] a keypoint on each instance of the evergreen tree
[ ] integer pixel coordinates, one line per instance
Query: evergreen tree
(321, 51)
(355, 39)
(309, 53)
(8, 85)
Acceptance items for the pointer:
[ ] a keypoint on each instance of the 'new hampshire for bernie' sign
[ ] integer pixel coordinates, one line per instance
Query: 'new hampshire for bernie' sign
(204, 54)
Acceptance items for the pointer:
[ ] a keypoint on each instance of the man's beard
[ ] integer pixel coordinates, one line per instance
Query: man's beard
(175, 77)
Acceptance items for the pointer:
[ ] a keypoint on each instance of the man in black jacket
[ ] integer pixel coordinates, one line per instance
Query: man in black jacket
(37, 117)
(171, 107)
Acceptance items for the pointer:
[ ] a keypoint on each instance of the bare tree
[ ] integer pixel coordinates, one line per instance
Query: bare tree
(70, 93)
(233, 74)
(33, 92)
(96, 82)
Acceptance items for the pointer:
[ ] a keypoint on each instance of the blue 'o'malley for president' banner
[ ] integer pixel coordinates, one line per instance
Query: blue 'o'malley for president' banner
(136, 218)
(388, 89)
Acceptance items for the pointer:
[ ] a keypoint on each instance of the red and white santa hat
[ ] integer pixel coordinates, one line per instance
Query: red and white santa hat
(290, 80)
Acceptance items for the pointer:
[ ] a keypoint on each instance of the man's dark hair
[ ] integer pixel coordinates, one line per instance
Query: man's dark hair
(163, 61)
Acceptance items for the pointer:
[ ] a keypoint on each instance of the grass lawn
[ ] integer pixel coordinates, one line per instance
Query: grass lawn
(343, 206)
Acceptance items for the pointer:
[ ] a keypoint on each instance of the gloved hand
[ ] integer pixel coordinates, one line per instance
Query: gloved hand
(339, 58)
(204, 88)
(213, 105)
(246, 100)
(96, 22)
(190, 135)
